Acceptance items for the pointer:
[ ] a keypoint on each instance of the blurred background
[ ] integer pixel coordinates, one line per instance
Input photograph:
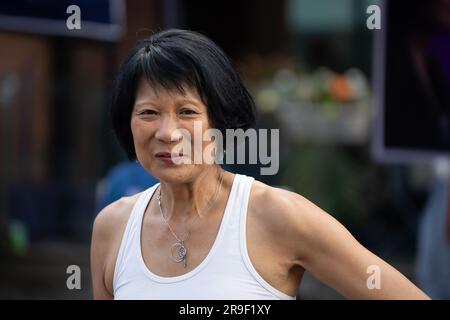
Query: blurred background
(364, 119)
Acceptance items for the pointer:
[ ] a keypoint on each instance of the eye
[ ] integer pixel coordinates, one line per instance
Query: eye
(188, 112)
(146, 112)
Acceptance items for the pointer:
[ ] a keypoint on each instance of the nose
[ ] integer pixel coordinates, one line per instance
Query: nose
(167, 130)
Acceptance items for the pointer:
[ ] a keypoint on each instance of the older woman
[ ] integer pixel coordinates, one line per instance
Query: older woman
(202, 232)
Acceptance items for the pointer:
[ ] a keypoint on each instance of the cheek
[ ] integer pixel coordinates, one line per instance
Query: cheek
(136, 136)
(140, 130)
(204, 137)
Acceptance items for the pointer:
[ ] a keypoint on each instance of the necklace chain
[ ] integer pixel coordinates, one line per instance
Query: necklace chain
(178, 249)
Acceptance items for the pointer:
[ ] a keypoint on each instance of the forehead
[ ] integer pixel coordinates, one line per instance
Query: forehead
(147, 91)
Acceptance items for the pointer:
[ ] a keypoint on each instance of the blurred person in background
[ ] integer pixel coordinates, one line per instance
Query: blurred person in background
(433, 252)
(123, 180)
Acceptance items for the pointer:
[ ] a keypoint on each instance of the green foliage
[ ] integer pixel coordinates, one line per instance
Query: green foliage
(328, 176)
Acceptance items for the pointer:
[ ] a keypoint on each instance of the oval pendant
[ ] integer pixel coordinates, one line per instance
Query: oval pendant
(178, 251)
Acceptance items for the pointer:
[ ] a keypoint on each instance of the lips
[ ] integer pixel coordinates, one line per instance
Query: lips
(168, 155)
(170, 158)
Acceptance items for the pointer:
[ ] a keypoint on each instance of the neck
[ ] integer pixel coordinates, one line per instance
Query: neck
(187, 200)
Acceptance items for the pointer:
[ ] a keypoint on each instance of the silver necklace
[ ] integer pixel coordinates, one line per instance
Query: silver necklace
(178, 250)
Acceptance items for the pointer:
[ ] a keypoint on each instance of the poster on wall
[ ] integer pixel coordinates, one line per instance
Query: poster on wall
(412, 82)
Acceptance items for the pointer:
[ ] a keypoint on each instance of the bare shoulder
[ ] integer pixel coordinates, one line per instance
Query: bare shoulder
(289, 219)
(114, 215)
(281, 207)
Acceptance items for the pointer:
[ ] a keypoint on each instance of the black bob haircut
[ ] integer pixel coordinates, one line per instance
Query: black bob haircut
(171, 59)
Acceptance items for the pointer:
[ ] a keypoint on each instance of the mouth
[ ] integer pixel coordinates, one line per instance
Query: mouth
(168, 157)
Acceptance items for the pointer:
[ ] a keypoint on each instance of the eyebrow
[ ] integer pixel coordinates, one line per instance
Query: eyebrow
(188, 100)
(179, 101)
(143, 103)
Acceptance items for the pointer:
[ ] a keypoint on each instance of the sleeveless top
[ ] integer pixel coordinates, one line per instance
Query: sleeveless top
(225, 274)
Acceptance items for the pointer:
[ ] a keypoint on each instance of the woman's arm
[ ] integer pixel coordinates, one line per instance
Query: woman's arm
(101, 237)
(109, 226)
(324, 247)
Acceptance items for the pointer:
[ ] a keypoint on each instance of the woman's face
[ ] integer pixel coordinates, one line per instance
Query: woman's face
(156, 122)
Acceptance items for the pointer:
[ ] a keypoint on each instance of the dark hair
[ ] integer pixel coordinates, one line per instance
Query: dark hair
(174, 58)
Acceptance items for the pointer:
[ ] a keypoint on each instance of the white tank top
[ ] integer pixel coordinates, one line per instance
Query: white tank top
(226, 273)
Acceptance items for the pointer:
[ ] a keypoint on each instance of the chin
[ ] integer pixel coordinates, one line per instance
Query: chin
(176, 173)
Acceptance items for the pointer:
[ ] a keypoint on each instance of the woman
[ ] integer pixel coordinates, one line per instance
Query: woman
(202, 232)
